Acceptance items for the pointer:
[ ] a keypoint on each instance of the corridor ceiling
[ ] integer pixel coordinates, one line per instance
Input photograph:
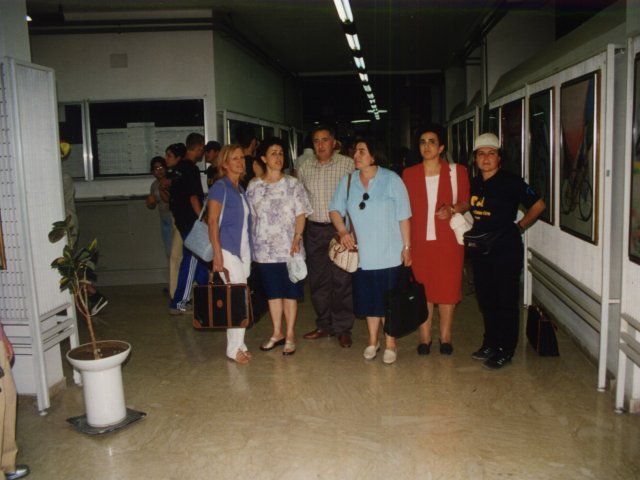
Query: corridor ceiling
(305, 37)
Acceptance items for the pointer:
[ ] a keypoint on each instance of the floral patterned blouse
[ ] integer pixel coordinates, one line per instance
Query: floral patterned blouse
(274, 208)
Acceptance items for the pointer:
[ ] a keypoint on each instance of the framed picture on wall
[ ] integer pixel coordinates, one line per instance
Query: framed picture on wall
(579, 156)
(634, 219)
(3, 258)
(541, 149)
(511, 127)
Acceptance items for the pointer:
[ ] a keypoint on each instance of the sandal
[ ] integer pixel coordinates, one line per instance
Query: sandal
(271, 344)
(289, 348)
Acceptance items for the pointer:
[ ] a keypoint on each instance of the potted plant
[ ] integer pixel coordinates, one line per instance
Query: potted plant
(99, 362)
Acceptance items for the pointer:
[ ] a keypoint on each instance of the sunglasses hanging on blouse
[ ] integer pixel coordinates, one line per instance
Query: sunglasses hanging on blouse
(365, 197)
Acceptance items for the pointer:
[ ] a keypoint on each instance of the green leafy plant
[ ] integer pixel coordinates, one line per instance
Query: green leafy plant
(76, 267)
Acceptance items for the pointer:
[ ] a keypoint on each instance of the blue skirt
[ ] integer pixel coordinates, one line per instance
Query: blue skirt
(276, 283)
(369, 289)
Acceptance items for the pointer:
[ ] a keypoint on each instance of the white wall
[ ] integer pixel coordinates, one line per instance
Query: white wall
(246, 85)
(517, 37)
(14, 35)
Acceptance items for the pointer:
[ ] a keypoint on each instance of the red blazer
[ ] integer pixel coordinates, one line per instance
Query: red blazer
(414, 180)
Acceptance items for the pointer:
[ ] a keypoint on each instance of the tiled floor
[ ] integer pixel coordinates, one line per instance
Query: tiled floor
(326, 413)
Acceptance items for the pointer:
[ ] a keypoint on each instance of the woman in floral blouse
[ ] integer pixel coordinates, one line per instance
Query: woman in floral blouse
(279, 206)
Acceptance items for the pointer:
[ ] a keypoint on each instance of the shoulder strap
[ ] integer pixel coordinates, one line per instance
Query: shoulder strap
(453, 171)
(350, 222)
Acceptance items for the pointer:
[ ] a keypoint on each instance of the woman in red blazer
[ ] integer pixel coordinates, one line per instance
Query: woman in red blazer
(437, 256)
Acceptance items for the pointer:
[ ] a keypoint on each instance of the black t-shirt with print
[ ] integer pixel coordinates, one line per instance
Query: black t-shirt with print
(494, 202)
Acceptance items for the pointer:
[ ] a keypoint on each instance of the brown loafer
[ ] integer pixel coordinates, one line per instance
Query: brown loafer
(317, 333)
(345, 340)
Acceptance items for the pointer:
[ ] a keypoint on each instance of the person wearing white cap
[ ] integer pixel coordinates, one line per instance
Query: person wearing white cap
(495, 197)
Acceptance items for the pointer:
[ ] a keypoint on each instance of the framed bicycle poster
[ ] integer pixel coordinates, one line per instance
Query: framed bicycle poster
(634, 220)
(579, 156)
(511, 130)
(541, 166)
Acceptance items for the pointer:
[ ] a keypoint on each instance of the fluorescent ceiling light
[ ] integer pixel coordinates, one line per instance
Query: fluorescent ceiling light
(28, 18)
(344, 10)
(359, 63)
(361, 121)
(377, 110)
(364, 78)
(367, 88)
(354, 43)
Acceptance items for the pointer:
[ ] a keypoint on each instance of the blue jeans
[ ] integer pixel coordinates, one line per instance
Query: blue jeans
(166, 229)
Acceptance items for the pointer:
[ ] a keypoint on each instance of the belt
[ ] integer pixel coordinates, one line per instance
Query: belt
(320, 224)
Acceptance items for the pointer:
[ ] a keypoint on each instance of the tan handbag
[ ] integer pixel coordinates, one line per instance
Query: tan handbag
(343, 258)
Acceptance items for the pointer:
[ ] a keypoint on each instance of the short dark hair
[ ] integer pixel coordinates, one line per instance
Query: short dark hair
(269, 142)
(245, 134)
(320, 128)
(376, 148)
(159, 160)
(434, 128)
(193, 140)
(212, 145)
(178, 149)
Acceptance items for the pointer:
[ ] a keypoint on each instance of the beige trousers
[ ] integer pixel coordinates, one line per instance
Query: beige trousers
(8, 405)
(175, 260)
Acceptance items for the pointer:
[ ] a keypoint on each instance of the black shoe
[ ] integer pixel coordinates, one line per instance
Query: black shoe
(21, 471)
(483, 353)
(424, 348)
(499, 360)
(446, 348)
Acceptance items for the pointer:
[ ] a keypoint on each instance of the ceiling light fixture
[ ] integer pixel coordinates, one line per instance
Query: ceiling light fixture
(367, 88)
(344, 10)
(354, 43)
(364, 120)
(359, 63)
(364, 78)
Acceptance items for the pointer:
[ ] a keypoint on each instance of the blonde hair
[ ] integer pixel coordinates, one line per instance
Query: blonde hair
(225, 153)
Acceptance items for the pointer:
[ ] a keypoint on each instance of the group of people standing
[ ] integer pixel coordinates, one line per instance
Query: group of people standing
(394, 222)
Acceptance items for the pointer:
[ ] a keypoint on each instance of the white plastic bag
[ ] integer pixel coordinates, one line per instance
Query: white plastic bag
(297, 268)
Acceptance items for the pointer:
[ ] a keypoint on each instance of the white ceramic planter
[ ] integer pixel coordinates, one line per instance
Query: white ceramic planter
(102, 384)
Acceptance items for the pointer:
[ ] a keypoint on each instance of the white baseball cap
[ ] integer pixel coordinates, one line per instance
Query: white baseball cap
(486, 140)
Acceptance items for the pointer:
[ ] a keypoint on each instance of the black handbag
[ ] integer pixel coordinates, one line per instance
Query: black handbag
(405, 305)
(482, 242)
(218, 306)
(541, 332)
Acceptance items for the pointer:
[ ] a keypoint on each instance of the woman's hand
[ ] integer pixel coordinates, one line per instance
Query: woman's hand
(444, 212)
(218, 263)
(406, 257)
(346, 240)
(295, 245)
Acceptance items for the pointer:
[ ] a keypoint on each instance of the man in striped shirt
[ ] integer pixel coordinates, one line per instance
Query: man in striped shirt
(330, 286)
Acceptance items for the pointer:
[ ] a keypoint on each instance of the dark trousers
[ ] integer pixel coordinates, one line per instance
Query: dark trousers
(330, 286)
(497, 282)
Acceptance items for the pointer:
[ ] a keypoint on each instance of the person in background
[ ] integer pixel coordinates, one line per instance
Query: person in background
(246, 137)
(8, 407)
(211, 152)
(172, 155)
(186, 196)
(159, 197)
(377, 202)
(229, 219)
(330, 286)
(495, 197)
(437, 256)
(307, 154)
(279, 207)
(97, 300)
